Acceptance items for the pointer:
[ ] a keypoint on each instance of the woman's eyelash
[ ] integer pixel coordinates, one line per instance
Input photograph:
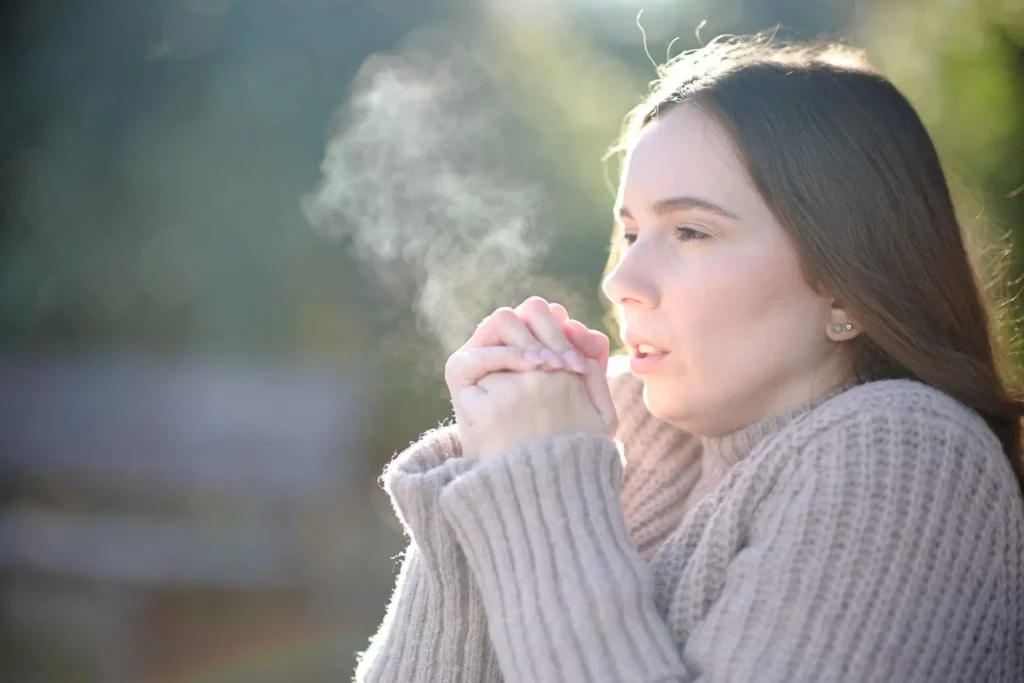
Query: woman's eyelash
(682, 232)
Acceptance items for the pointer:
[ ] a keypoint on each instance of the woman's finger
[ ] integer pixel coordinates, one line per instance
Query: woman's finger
(504, 328)
(600, 394)
(591, 343)
(559, 313)
(537, 315)
(467, 367)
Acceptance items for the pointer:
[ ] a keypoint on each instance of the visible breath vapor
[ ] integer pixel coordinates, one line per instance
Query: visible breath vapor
(414, 178)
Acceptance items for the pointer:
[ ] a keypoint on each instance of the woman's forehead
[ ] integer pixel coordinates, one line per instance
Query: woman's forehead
(684, 152)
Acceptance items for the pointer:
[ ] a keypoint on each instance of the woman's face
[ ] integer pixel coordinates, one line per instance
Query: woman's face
(711, 279)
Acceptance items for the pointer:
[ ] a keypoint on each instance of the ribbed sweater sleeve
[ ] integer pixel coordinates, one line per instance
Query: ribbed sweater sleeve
(568, 598)
(434, 629)
(869, 558)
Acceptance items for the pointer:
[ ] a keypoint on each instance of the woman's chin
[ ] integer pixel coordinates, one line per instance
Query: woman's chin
(655, 399)
(664, 400)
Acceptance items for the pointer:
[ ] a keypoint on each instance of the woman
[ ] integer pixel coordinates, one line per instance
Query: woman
(819, 476)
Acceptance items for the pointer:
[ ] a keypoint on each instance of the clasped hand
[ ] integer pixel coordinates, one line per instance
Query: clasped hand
(528, 373)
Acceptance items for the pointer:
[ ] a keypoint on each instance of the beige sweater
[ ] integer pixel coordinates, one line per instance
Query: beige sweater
(875, 533)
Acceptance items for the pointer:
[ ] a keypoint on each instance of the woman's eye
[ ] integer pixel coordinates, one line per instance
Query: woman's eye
(683, 233)
(688, 234)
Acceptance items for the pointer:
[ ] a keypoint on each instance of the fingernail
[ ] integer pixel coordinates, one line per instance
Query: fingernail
(575, 361)
(552, 359)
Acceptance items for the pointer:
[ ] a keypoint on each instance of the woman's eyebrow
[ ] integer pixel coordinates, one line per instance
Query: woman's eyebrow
(670, 204)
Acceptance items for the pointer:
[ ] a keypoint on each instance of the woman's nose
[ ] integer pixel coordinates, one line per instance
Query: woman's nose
(630, 282)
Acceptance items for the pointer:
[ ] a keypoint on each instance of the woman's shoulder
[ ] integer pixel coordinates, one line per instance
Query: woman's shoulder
(908, 396)
(902, 401)
(906, 429)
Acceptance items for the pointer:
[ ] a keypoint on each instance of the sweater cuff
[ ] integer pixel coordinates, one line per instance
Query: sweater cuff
(567, 595)
(414, 480)
(435, 628)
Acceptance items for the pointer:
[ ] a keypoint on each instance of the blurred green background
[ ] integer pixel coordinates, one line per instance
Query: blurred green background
(239, 237)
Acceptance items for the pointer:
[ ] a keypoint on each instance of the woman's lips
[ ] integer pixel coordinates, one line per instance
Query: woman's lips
(641, 363)
(644, 357)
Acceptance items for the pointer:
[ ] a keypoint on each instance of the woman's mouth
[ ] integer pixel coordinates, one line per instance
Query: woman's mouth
(644, 350)
(644, 358)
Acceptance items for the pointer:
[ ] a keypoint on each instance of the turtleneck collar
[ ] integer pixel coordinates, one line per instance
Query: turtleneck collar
(730, 448)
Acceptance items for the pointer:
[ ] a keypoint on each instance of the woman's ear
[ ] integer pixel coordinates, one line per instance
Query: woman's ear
(841, 326)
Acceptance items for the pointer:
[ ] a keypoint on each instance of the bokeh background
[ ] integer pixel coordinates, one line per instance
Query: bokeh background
(239, 237)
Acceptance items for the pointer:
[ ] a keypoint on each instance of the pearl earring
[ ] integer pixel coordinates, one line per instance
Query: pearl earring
(838, 327)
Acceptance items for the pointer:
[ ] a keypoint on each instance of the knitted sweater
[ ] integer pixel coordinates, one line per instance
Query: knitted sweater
(874, 533)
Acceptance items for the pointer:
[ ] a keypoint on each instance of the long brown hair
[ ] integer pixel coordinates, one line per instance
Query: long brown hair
(845, 164)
